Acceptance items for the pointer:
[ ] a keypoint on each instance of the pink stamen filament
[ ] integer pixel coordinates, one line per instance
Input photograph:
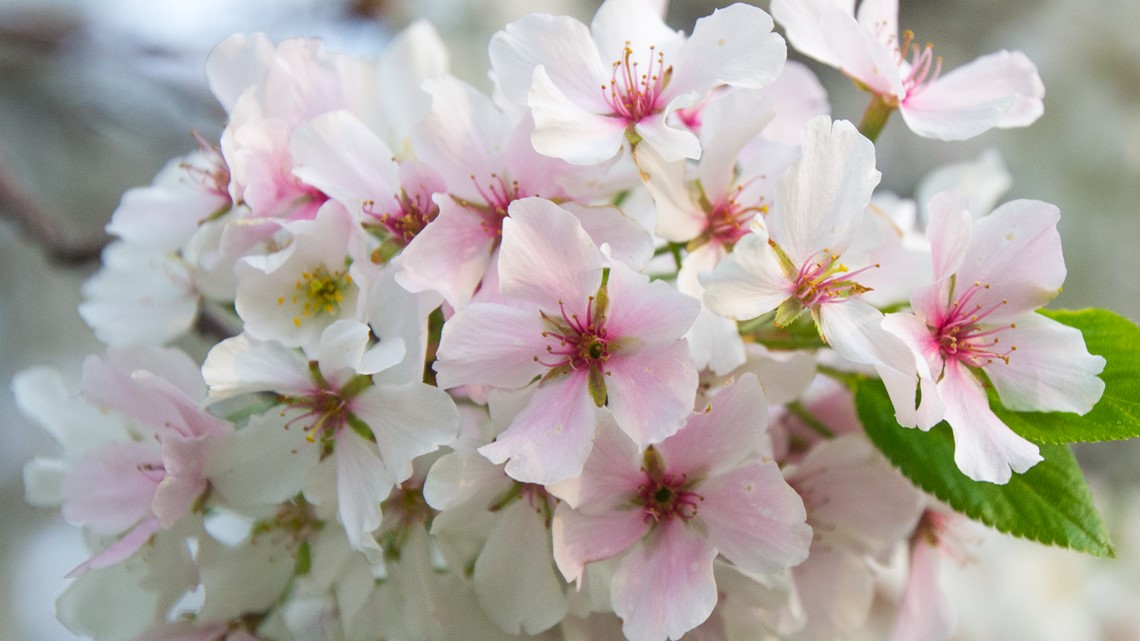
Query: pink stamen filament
(497, 195)
(925, 67)
(827, 281)
(216, 178)
(633, 95)
(413, 213)
(581, 344)
(728, 220)
(960, 335)
(666, 497)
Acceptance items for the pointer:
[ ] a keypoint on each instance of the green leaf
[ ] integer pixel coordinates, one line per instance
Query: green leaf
(1117, 414)
(1049, 504)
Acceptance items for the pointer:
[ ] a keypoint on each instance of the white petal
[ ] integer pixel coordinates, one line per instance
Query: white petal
(562, 129)
(734, 46)
(748, 282)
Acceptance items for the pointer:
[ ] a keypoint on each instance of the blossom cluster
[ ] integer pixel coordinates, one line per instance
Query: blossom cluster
(574, 360)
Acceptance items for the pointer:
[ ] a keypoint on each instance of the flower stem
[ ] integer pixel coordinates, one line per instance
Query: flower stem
(875, 117)
(801, 412)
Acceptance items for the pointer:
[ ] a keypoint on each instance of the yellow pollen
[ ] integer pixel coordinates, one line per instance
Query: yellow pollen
(319, 291)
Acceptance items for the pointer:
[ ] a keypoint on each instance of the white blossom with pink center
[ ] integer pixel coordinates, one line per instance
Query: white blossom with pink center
(624, 76)
(672, 508)
(976, 320)
(591, 340)
(796, 260)
(998, 90)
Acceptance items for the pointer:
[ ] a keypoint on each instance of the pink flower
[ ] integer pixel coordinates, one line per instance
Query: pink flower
(591, 341)
(588, 89)
(674, 507)
(998, 90)
(977, 317)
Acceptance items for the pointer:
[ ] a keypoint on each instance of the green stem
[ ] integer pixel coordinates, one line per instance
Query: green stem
(810, 420)
(875, 117)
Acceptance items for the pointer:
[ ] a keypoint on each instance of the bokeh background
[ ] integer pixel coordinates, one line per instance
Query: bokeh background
(95, 95)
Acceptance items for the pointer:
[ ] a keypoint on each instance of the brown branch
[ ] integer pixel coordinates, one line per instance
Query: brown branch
(42, 228)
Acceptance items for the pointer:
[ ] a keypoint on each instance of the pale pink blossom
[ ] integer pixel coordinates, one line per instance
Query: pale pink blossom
(998, 90)
(591, 89)
(674, 507)
(991, 275)
(616, 344)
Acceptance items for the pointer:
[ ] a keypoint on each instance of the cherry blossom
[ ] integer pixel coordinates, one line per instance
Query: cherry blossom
(624, 76)
(998, 90)
(977, 320)
(673, 507)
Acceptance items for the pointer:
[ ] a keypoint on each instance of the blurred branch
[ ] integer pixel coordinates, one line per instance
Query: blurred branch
(41, 227)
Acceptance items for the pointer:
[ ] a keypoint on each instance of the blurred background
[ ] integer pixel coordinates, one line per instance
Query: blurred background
(95, 96)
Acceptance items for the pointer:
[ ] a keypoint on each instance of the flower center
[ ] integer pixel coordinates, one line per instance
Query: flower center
(632, 93)
(317, 292)
(826, 280)
(961, 336)
(923, 67)
(664, 495)
(578, 343)
(728, 220)
(408, 218)
(497, 195)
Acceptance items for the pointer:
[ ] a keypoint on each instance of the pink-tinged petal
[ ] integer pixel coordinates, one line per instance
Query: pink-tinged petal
(450, 255)
(720, 436)
(798, 97)
(560, 43)
(643, 311)
(754, 518)
(579, 539)
(784, 375)
(855, 498)
(236, 64)
(673, 143)
(165, 214)
(119, 550)
(1017, 251)
(362, 483)
(835, 587)
(634, 23)
(185, 481)
(562, 129)
(406, 420)
(998, 90)
(629, 242)
(462, 136)
(880, 17)
(492, 345)
(339, 155)
(733, 46)
(949, 232)
(823, 195)
(112, 488)
(1051, 371)
(391, 97)
(678, 217)
(862, 54)
(715, 343)
(611, 476)
(547, 258)
(800, 20)
(980, 181)
(106, 378)
(729, 123)
(748, 282)
(664, 587)
(650, 392)
(901, 386)
(550, 439)
(515, 581)
(854, 329)
(245, 365)
(926, 613)
(985, 449)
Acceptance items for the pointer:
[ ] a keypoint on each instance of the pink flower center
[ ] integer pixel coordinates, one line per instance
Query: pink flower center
(409, 217)
(728, 220)
(827, 280)
(632, 93)
(665, 495)
(327, 409)
(923, 67)
(961, 336)
(578, 343)
(497, 195)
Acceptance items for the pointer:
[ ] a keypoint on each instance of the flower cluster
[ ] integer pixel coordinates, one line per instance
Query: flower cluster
(577, 360)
